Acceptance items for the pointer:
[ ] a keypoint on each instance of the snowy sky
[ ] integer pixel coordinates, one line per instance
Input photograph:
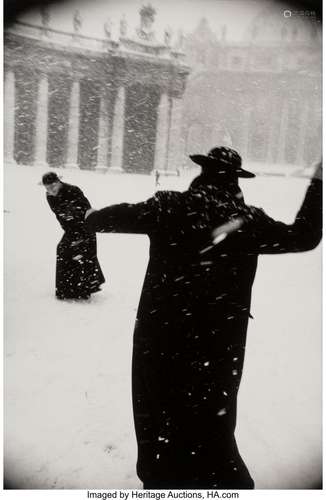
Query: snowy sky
(178, 14)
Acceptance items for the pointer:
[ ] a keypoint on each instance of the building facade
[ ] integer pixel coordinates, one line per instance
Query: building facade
(76, 101)
(262, 95)
(132, 104)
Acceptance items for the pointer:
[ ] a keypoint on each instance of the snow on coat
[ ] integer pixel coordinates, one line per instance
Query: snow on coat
(78, 272)
(190, 332)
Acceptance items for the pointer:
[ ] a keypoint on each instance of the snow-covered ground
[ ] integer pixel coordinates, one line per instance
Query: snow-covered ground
(68, 416)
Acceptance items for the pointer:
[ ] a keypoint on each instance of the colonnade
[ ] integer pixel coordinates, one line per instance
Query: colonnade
(109, 123)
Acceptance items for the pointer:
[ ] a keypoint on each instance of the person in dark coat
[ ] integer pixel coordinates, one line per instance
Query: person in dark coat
(191, 326)
(78, 272)
(157, 178)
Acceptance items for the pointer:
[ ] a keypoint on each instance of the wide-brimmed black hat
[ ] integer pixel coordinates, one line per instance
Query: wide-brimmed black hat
(222, 160)
(49, 178)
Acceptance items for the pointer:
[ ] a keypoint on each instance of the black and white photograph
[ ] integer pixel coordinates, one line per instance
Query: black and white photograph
(162, 227)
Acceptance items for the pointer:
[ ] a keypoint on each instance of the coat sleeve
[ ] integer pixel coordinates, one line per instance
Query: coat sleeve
(141, 218)
(261, 234)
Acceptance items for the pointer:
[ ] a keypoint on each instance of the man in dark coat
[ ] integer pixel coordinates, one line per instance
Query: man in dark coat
(78, 272)
(190, 333)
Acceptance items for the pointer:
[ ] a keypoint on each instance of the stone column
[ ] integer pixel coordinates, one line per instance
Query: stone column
(302, 133)
(9, 117)
(162, 132)
(103, 132)
(41, 138)
(118, 129)
(283, 132)
(175, 145)
(73, 127)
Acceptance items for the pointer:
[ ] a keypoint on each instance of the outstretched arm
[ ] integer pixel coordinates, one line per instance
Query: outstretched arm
(124, 218)
(256, 232)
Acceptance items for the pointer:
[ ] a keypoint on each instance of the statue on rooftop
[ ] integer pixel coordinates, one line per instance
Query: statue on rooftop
(123, 26)
(147, 17)
(45, 15)
(77, 21)
(108, 28)
(168, 36)
(181, 39)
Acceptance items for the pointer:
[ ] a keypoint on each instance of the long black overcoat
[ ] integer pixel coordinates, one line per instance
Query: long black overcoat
(190, 333)
(78, 272)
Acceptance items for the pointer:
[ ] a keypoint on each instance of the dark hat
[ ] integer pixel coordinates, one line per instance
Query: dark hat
(222, 160)
(49, 178)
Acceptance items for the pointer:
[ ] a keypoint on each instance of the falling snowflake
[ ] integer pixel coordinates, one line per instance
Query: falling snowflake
(222, 412)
